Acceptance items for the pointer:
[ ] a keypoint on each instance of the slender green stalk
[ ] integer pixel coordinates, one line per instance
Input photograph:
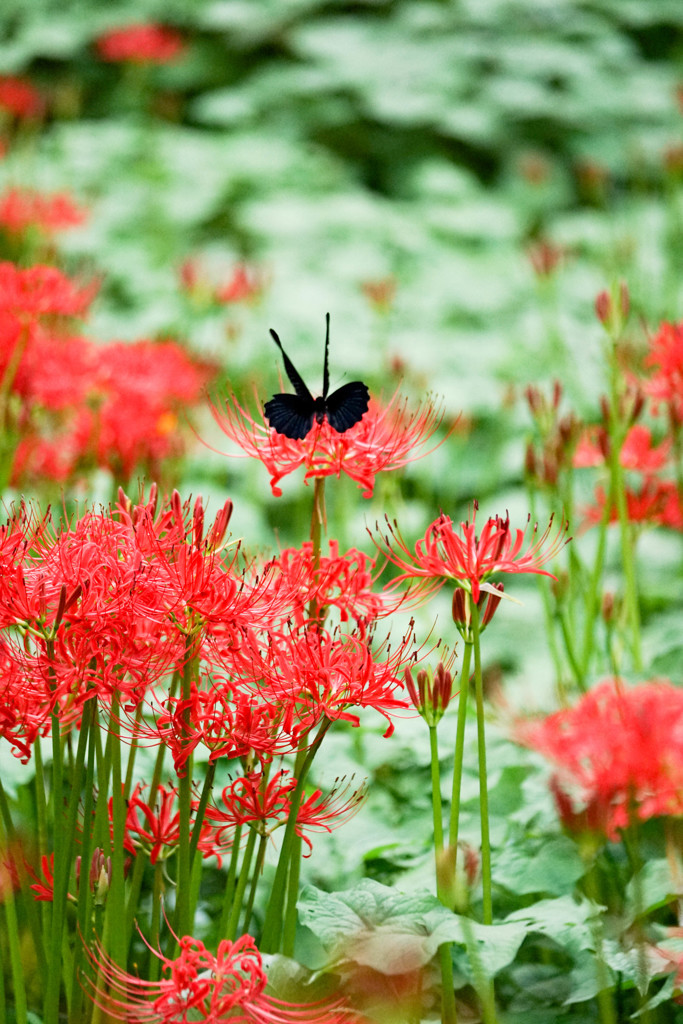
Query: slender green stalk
(116, 900)
(154, 969)
(28, 903)
(289, 926)
(18, 979)
(201, 808)
(84, 892)
(273, 921)
(617, 432)
(230, 880)
(130, 767)
(258, 869)
(183, 925)
(593, 598)
(448, 1012)
(459, 751)
(483, 784)
(241, 887)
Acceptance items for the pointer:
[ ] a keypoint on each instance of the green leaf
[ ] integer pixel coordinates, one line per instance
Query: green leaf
(546, 865)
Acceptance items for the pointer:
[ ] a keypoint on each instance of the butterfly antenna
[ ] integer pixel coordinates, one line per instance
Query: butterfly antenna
(326, 371)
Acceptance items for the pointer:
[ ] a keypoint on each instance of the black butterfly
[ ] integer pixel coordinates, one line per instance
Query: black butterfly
(293, 415)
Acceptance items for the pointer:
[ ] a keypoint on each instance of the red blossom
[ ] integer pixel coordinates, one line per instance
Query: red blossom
(655, 503)
(162, 833)
(341, 581)
(386, 439)
(229, 985)
(141, 44)
(25, 208)
(470, 559)
(315, 674)
(619, 753)
(637, 452)
(666, 356)
(19, 98)
(37, 291)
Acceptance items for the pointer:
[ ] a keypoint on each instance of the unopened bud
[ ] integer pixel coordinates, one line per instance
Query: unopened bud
(612, 309)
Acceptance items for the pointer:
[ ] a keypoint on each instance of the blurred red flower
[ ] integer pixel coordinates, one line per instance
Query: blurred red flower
(141, 44)
(19, 98)
(619, 753)
(25, 208)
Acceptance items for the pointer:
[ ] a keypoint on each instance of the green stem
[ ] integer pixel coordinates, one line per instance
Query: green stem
(458, 755)
(201, 808)
(594, 588)
(273, 921)
(241, 887)
(87, 846)
(116, 898)
(483, 784)
(617, 432)
(258, 868)
(183, 925)
(229, 891)
(18, 979)
(155, 923)
(448, 1013)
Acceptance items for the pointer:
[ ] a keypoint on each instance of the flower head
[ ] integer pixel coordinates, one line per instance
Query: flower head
(197, 984)
(141, 44)
(386, 438)
(19, 98)
(469, 558)
(618, 752)
(21, 209)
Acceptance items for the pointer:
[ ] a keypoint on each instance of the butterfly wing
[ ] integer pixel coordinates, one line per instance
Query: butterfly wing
(295, 377)
(290, 415)
(347, 405)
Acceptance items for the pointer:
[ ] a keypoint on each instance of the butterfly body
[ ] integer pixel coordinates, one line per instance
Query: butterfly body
(294, 415)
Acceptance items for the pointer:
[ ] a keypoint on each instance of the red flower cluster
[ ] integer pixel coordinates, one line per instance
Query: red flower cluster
(385, 439)
(76, 396)
(469, 559)
(229, 985)
(23, 209)
(245, 284)
(666, 356)
(19, 98)
(619, 754)
(141, 44)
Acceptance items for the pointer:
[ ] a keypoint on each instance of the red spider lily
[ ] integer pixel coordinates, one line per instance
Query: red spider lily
(229, 985)
(229, 721)
(92, 387)
(385, 439)
(341, 581)
(619, 753)
(666, 356)
(40, 291)
(637, 452)
(25, 208)
(45, 883)
(318, 810)
(163, 821)
(470, 560)
(19, 98)
(314, 674)
(141, 44)
(249, 799)
(656, 503)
